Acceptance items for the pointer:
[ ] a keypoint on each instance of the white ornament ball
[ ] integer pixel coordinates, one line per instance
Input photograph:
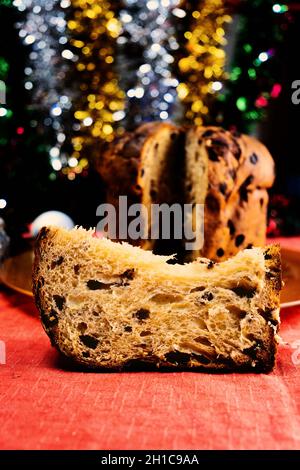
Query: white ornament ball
(55, 218)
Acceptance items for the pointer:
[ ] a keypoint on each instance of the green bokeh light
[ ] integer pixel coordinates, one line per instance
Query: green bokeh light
(241, 103)
(235, 73)
(247, 48)
(252, 73)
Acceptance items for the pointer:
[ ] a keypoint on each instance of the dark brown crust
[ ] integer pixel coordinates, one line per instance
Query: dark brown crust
(42, 240)
(271, 302)
(120, 162)
(260, 359)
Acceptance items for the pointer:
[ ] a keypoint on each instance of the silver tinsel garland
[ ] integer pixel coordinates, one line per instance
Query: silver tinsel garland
(144, 60)
(44, 31)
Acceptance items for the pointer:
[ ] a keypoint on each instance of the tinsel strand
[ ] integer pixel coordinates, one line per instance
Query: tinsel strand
(94, 28)
(44, 31)
(201, 59)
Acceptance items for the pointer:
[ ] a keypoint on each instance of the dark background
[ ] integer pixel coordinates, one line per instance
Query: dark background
(24, 180)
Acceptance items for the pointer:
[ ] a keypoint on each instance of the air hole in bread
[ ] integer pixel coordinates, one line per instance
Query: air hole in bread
(93, 284)
(145, 333)
(220, 252)
(177, 357)
(244, 291)
(59, 301)
(198, 289)
(82, 327)
(128, 274)
(249, 180)
(223, 188)
(128, 329)
(51, 319)
(231, 227)
(244, 190)
(238, 312)
(239, 240)
(57, 262)
(212, 204)
(202, 340)
(89, 341)
(212, 154)
(76, 269)
(142, 314)
(236, 150)
(207, 296)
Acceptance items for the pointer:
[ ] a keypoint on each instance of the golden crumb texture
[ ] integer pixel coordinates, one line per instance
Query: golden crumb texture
(110, 305)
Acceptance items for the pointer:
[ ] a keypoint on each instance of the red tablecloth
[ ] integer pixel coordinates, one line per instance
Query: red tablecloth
(46, 406)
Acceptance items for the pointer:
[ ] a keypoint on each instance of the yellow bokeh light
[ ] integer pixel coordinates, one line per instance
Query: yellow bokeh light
(80, 115)
(77, 43)
(107, 129)
(114, 27)
(72, 24)
(91, 66)
(182, 91)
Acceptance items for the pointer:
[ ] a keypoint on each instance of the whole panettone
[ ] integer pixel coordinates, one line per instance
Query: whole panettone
(226, 171)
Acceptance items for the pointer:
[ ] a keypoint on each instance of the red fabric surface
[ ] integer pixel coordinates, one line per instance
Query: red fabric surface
(43, 405)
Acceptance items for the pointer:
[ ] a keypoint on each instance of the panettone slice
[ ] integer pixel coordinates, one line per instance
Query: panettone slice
(111, 305)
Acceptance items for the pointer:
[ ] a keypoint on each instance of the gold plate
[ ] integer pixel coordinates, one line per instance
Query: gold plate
(290, 295)
(15, 273)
